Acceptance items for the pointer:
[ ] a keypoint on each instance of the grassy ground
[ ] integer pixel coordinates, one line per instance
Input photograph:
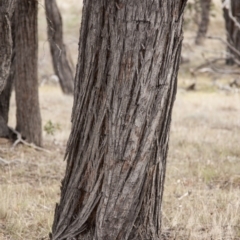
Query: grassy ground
(202, 190)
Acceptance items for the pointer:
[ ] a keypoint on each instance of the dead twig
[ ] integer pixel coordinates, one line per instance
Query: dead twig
(219, 70)
(228, 45)
(209, 67)
(20, 140)
(5, 162)
(204, 65)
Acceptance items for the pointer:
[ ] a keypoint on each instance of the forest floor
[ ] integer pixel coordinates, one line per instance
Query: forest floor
(202, 189)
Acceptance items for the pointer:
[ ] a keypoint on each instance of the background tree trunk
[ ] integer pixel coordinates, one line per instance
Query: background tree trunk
(6, 11)
(58, 50)
(6, 62)
(125, 87)
(232, 13)
(204, 22)
(26, 81)
(4, 104)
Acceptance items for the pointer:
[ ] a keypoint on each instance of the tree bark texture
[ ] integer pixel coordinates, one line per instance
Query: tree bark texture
(7, 63)
(58, 50)
(26, 81)
(204, 22)
(5, 102)
(6, 11)
(232, 23)
(126, 82)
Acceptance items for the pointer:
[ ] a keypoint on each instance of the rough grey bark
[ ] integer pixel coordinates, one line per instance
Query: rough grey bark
(204, 22)
(125, 86)
(6, 11)
(26, 81)
(5, 96)
(6, 62)
(58, 50)
(231, 14)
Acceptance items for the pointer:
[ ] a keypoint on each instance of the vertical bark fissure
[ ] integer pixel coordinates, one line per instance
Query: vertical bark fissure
(122, 112)
(58, 50)
(6, 63)
(26, 77)
(6, 11)
(5, 102)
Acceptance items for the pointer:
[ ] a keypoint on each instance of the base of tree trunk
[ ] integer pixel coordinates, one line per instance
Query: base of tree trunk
(230, 61)
(5, 131)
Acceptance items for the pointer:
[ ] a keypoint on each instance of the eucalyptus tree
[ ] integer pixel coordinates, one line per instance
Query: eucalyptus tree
(231, 12)
(6, 55)
(204, 21)
(26, 71)
(125, 87)
(57, 47)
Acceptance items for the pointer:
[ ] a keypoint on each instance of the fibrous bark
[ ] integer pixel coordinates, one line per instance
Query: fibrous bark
(26, 80)
(6, 11)
(124, 92)
(231, 12)
(6, 63)
(58, 50)
(204, 22)
(4, 104)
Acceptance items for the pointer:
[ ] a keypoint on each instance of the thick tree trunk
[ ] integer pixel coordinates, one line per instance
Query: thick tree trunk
(26, 82)
(204, 22)
(231, 14)
(58, 50)
(125, 87)
(6, 11)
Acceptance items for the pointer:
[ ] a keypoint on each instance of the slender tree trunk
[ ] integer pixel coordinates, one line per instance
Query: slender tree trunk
(231, 14)
(6, 63)
(6, 11)
(126, 83)
(26, 82)
(204, 22)
(58, 50)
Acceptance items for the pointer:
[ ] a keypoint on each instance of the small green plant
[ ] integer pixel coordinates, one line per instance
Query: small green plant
(50, 128)
(209, 174)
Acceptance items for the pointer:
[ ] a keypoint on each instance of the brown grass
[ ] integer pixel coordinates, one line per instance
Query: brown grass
(202, 190)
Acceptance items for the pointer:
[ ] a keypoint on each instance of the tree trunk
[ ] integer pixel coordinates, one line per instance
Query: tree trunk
(6, 62)
(231, 14)
(6, 11)
(58, 50)
(204, 22)
(26, 82)
(125, 87)
(4, 104)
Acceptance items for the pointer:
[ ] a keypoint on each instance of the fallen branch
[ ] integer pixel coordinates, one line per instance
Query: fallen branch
(208, 67)
(5, 162)
(203, 65)
(20, 140)
(219, 70)
(228, 45)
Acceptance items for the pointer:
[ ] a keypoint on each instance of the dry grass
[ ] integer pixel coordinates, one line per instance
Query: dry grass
(30, 186)
(202, 190)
